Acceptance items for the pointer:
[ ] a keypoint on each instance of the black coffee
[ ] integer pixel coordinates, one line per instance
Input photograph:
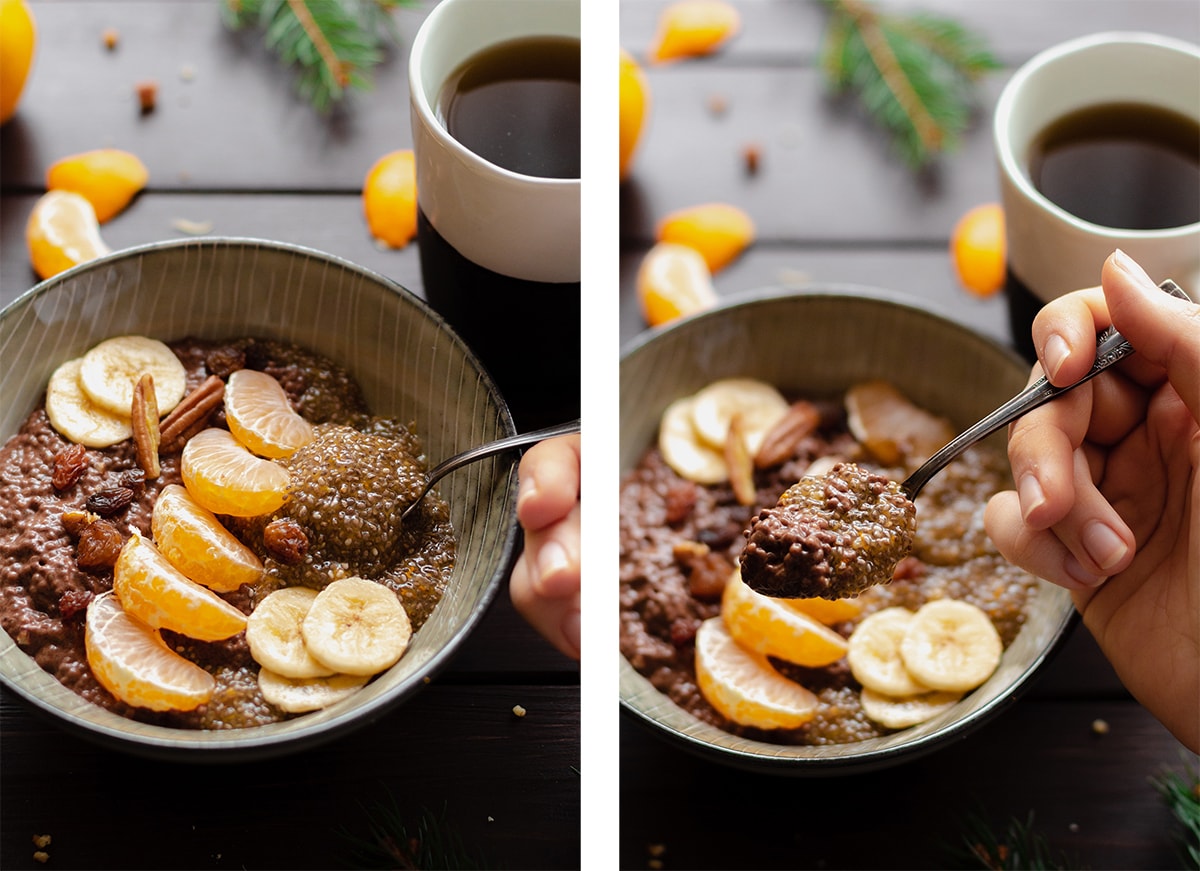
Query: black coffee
(1128, 166)
(526, 333)
(516, 104)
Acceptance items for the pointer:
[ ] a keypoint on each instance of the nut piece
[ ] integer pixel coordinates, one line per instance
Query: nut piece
(191, 414)
(144, 421)
(781, 441)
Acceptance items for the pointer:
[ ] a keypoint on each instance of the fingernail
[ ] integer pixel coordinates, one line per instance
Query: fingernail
(1103, 544)
(1054, 354)
(571, 631)
(1079, 574)
(1030, 494)
(526, 488)
(552, 559)
(1131, 268)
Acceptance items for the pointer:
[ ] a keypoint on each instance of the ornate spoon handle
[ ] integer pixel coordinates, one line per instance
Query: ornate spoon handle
(1111, 347)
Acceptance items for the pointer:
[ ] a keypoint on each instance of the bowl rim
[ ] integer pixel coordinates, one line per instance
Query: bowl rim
(765, 758)
(233, 745)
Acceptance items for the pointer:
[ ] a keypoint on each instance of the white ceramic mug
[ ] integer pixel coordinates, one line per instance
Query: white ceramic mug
(1050, 250)
(500, 250)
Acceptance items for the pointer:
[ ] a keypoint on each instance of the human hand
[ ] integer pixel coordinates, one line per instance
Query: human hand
(1108, 488)
(545, 581)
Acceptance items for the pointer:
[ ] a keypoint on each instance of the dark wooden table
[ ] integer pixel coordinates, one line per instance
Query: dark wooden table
(229, 144)
(832, 205)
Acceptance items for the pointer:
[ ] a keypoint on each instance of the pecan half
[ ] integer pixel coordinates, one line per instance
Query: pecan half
(781, 440)
(191, 414)
(144, 421)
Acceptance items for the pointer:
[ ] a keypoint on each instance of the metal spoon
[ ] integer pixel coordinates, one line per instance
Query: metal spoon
(445, 467)
(1111, 347)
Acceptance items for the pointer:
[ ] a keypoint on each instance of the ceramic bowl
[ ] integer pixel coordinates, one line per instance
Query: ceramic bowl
(819, 343)
(410, 365)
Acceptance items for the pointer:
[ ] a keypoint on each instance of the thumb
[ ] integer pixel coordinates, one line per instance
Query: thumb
(1164, 330)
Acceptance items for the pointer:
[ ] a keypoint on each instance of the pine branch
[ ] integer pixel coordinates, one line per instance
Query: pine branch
(914, 74)
(1181, 792)
(391, 841)
(333, 44)
(1018, 846)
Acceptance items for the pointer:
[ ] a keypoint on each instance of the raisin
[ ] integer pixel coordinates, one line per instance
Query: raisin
(133, 480)
(109, 501)
(69, 465)
(286, 540)
(74, 521)
(223, 362)
(73, 602)
(680, 499)
(99, 545)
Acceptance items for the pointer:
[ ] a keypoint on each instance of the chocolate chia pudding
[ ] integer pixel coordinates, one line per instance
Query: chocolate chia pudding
(46, 583)
(680, 541)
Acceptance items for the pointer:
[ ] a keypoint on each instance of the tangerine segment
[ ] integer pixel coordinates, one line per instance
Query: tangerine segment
(719, 231)
(223, 476)
(634, 103)
(743, 686)
(690, 28)
(261, 416)
(977, 247)
(130, 661)
(768, 627)
(194, 541)
(18, 41)
(827, 611)
(108, 178)
(62, 232)
(390, 198)
(159, 595)
(672, 282)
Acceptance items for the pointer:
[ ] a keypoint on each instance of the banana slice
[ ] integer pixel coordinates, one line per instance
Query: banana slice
(874, 653)
(683, 450)
(355, 626)
(75, 416)
(297, 696)
(112, 368)
(901, 712)
(273, 634)
(760, 405)
(891, 427)
(951, 645)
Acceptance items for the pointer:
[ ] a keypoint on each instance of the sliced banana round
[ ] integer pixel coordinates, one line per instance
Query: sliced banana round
(298, 695)
(873, 653)
(683, 450)
(73, 414)
(759, 404)
(355, 626)
(274, 637)
(900, 712)
(112, 368)
(951, 645)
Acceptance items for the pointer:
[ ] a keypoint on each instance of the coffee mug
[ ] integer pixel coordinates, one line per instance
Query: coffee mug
(499, 236)
(1059, 234)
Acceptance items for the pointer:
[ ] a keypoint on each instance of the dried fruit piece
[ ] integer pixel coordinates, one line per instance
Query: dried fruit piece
(286, 541)
(390, 198)
(261, 416)
(743, 686)
(130, 660)
(977, 248)
(690, 28)
(159, 595)
(100, 544)
(69, 465)
(719, 231)
(108, 178)
(109, 501)
(224, 477)
(672, 282)
(62, 232)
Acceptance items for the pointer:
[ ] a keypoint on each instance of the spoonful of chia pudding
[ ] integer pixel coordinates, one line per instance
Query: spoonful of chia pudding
(833, 535)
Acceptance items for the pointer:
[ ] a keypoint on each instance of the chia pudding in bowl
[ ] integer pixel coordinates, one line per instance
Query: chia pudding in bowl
(312, 395)
(804, 403)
